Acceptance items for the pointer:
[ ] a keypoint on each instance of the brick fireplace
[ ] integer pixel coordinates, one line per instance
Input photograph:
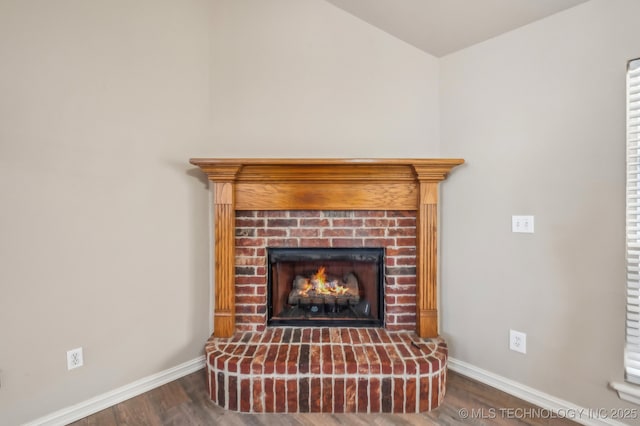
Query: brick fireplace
(301, 203)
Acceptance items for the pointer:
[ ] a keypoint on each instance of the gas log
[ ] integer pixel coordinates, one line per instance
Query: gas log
(319, 289)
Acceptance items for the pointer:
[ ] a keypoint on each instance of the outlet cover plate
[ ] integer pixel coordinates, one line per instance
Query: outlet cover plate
(74, 358)
(518, 341)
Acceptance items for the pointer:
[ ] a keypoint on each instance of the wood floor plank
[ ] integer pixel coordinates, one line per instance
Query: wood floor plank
(186, 402)
(105, 417)
(137, 411)
(168, 396)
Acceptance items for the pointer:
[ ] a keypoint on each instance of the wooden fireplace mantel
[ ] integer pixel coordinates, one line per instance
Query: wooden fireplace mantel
(326, 184)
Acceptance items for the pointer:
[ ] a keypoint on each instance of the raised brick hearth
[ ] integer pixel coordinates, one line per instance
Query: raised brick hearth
(330, 203)
(330, 370)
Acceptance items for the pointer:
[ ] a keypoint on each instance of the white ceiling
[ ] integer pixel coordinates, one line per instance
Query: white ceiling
(440, 27)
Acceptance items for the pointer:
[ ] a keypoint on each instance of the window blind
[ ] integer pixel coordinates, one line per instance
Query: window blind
(632, 350)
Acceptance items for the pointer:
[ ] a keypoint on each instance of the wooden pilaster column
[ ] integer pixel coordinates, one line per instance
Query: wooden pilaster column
(427, 261)
(429, 178)
(224, 217)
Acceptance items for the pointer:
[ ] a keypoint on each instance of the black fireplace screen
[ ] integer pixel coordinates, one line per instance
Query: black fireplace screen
(325, 286)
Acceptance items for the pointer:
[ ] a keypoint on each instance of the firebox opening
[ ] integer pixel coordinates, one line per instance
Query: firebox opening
(325, 286)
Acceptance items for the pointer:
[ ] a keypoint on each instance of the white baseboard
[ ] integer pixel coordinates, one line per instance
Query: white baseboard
(545, 401)
(108, 399)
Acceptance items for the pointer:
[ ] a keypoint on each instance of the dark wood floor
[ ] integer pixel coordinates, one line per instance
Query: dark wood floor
(185, 402)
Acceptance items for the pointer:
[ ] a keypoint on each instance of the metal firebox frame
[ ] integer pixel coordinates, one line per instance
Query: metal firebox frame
(359, 254)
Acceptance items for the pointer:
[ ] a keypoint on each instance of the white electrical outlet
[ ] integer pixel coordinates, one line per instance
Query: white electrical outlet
(74, 358)
(522, 224)
(518, 341)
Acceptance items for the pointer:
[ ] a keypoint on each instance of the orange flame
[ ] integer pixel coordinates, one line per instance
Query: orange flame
(320, 275)
(319, 284)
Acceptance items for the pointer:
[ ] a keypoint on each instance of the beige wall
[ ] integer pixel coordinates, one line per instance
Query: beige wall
(539, 116)
(296, 78)
(103, 222)
(101, 105)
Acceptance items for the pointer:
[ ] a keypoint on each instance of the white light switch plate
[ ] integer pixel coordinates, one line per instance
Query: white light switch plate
(523, 224)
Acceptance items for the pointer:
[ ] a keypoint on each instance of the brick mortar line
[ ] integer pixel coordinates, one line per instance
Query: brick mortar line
(402, 334)
(341, 344)
(218, 352)
(412, 358)
(332, 376)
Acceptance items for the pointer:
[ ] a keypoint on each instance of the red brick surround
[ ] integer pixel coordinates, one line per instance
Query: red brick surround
(393, 230)
(331, 370)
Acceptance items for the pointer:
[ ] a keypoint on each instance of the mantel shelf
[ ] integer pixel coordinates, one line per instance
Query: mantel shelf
(326, 170)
